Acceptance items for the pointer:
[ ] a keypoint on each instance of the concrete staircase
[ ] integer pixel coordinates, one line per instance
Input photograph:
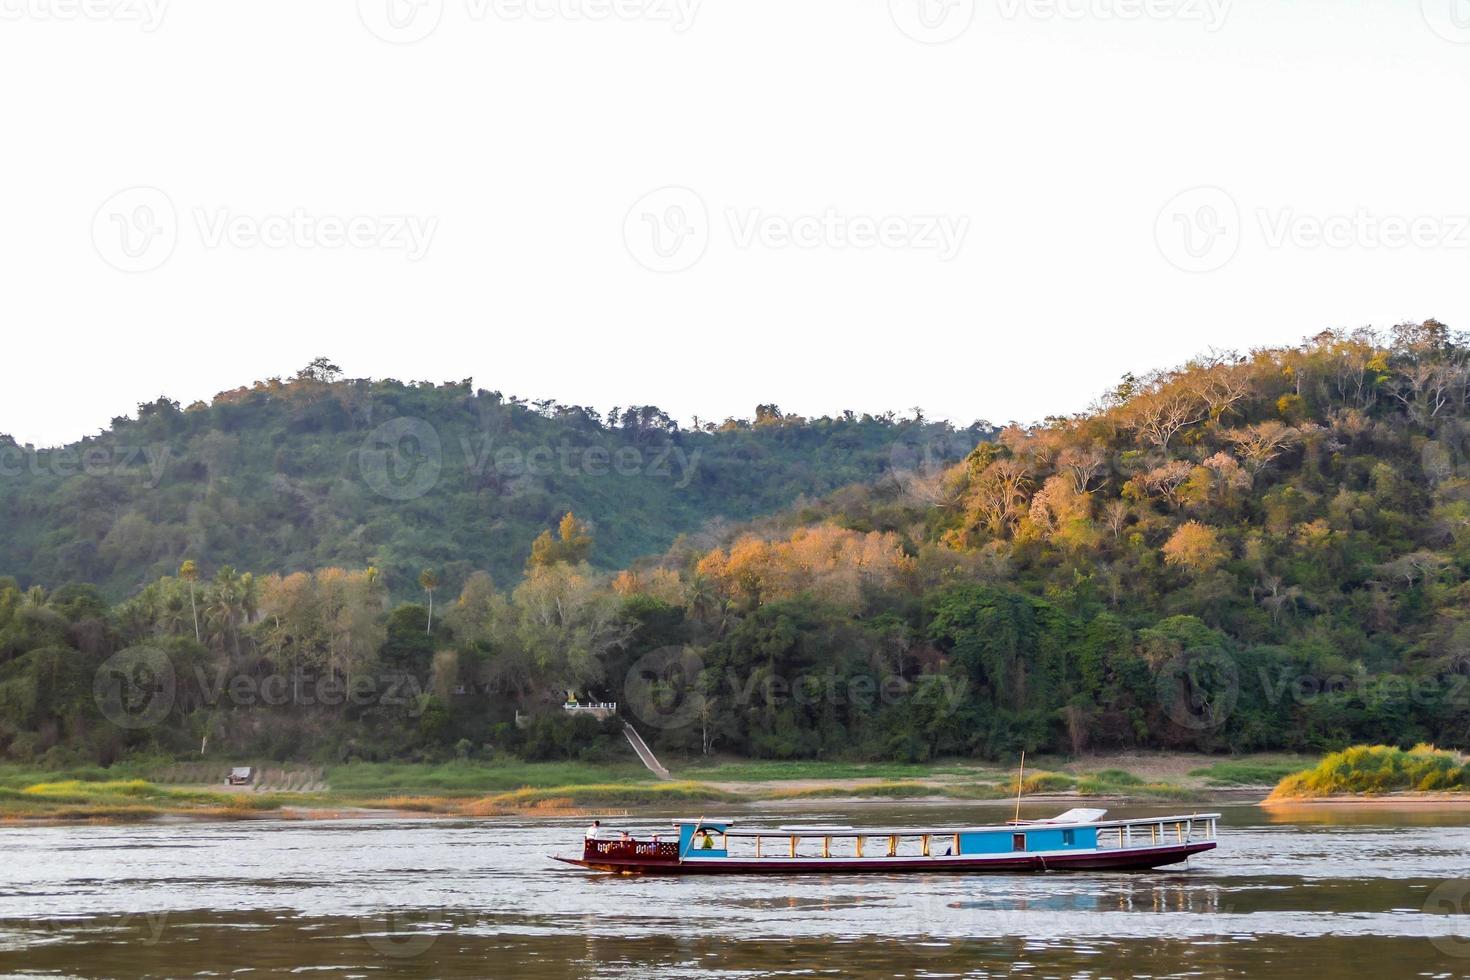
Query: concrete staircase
(645, 755)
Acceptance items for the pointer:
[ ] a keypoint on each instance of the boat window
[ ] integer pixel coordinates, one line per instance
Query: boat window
(1018, 842)
(1069, 837)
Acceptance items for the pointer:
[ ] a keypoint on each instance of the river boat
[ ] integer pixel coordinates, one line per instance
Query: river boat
(1078, 840)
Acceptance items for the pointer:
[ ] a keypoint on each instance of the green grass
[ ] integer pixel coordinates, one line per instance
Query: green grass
(125, 799)
(1370, 770)
(886, 790)
(360, 780)
(19, 777)
(1251, 773)
(614, 794)
(774, 770)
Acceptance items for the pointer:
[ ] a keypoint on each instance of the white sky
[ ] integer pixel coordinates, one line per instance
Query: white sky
(524, 143)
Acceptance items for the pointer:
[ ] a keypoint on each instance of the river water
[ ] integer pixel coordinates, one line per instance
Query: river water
(1309, 893)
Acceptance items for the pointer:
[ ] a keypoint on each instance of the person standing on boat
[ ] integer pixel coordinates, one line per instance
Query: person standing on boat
(594, 830)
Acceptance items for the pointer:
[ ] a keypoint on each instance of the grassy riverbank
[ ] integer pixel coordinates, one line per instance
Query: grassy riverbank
(1377, 771)
(143, 790)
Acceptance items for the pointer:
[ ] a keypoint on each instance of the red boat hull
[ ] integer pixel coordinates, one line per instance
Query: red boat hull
(1127, 859)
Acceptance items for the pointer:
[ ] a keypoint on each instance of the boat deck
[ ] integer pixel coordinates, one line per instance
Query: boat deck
(1066, 843)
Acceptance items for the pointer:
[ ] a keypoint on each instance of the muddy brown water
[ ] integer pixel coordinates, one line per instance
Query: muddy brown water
(1303, 893)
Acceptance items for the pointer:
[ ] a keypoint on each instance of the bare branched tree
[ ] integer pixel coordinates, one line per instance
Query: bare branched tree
(999, 496)
(1259, 444)
(1158, 415)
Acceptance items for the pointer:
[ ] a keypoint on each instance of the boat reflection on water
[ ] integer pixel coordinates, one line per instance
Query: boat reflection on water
(1131, 897)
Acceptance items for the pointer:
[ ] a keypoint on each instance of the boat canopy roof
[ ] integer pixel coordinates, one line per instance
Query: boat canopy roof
(1080, 817)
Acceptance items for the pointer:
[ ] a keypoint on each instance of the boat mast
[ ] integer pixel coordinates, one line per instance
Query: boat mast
(1020, 782)
(691, 838)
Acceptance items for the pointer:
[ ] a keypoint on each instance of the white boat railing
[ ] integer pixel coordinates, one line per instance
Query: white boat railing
(1112, 835)
(1157, 831)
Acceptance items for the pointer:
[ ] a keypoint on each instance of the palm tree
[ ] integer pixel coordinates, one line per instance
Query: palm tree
(189, 572)
(249, 597)
(430, 581)
(223, 607)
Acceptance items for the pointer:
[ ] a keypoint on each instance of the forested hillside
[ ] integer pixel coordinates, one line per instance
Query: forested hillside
(319, 471)
(1269, 550)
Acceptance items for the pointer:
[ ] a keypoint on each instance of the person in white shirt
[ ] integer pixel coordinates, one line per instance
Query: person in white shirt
(594, 830)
